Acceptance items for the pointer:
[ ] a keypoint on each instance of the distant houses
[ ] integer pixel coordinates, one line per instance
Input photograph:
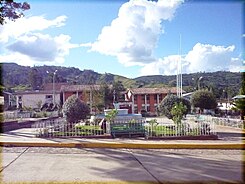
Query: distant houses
(136, 99)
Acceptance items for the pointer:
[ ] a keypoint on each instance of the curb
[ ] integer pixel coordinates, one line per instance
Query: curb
(239, 146)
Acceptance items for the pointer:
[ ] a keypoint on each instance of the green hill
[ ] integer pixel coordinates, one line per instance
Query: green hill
(16, 77)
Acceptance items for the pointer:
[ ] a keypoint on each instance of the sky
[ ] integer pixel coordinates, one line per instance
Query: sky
(129, 38)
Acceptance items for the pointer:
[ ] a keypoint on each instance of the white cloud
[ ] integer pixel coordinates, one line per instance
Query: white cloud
(28, 24)
(133, 35)
(202, 57)
(38, 48)
(166, 66)
(205, 57)
(23, 43)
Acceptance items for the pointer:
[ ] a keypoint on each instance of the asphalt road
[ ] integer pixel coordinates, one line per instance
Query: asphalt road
(32, 164)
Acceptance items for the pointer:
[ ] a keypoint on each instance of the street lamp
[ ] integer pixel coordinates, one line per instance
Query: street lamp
(197, 82)
(200, 78)
(53, 85)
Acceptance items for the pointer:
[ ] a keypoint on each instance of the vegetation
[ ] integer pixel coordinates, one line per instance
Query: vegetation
(240, 103)
(204, 100)
(12, 10)
(222, 84)
(177, 112)
(110, 116)
(169, 102)
(74, 109)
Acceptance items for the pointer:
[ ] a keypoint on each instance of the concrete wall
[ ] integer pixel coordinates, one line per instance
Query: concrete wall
(32, 100)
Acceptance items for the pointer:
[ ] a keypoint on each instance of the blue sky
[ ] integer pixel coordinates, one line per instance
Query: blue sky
(129, 38)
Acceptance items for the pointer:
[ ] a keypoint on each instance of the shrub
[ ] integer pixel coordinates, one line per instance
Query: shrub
(168, 103)
(74, 109)
(177, 112)
(111, 115)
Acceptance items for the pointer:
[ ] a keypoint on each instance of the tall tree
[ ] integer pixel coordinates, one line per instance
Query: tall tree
(117, 89)
(204, 100)
(35, 79)
(12, 10)
(240, 103)
(106, 94)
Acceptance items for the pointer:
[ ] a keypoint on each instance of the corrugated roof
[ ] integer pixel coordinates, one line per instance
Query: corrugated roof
(35, 92)
(65, 88)
(154, 90)
(49, 86)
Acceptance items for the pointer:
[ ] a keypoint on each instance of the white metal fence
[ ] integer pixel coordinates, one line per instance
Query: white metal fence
(59, 128)
(13, 115)
(235, 123)
(230, 122)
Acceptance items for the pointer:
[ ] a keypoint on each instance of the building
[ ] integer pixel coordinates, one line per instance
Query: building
(83, 92)
(36, 99)
(146, 99)
(9, 100)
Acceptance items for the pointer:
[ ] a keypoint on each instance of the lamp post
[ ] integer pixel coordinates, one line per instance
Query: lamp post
(200, 78)
(53, 85)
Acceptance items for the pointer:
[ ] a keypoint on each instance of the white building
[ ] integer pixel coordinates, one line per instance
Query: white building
(35, 99)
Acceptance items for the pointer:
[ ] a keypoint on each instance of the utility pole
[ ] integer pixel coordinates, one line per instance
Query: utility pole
(179, 72)
(53, 85)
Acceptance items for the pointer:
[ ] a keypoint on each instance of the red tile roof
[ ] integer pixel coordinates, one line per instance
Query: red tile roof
(49, 86)
(163, 90)
(74, 88)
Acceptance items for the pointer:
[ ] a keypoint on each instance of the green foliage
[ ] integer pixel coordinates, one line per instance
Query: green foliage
(240, 103)
(35, 79)
(203, 99)
(168, 103)
(111, 115)
(74, 109)
(177, 112)
(12, 10)
(14, 75)
(106, 95)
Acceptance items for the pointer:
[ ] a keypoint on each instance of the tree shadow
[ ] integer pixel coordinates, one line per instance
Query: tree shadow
(164, 166)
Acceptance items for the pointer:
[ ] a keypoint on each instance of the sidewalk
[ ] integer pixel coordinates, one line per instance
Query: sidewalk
(229, 138)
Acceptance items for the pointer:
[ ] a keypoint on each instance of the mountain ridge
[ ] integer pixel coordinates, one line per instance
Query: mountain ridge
(221, 82)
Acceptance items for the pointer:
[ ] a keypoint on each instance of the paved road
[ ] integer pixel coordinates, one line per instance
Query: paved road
(31, 164)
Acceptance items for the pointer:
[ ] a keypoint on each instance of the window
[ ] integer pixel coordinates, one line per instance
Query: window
(155, 98)
(148, 108)
(135, 98)
(160, 97)
(136, 109)
(49, 96)
(148, 99)
(143, 99)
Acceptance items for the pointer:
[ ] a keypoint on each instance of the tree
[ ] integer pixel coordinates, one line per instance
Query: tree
(111, 115)
(35, 79)
(12, 10)
(106, 95)
(74, 109)
(177, 112)
(240, 103)
(169, 102)
(203, 99)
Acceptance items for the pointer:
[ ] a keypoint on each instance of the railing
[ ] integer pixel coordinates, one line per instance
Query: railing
(184, 129)
(59, 128)
(230, 122)
(140, 127)
(235, 123)
(14, 115)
